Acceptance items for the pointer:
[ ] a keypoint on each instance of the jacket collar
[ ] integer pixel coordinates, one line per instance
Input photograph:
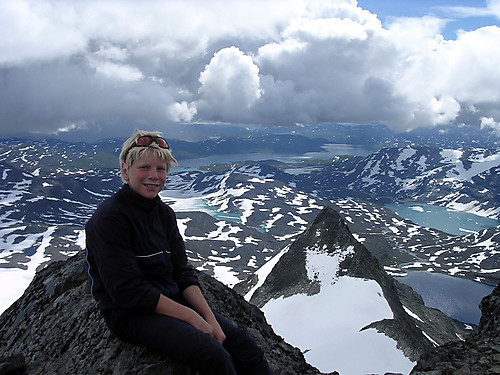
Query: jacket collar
(137, 199)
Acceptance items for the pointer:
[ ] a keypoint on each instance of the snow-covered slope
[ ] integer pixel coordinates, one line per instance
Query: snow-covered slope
(328, 296)
(463, 179)
(328, 326)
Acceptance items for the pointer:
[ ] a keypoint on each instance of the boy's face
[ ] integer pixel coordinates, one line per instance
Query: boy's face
(146, 176)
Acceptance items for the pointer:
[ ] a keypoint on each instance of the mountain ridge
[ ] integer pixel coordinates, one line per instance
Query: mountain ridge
(39, 316)
(57, 288)
(48, 190)
(328, 234)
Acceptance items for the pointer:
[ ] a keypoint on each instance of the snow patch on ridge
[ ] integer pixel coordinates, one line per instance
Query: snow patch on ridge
(264, 271)
(327, 325)
(19, 279)
(479, 164)
(322, 266)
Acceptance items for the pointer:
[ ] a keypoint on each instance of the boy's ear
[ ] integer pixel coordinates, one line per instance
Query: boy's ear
(124, 171)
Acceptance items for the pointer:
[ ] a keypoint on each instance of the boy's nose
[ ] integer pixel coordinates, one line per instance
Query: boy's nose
(153, 175)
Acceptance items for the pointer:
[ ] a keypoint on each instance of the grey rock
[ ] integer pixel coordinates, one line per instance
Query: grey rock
(54, 328)
(474, 356)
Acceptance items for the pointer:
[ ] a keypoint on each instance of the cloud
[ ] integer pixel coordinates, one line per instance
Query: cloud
(230, 86)
(183, 111)
(492, 8)
(115, 65)
(488, 122)
(38, 31)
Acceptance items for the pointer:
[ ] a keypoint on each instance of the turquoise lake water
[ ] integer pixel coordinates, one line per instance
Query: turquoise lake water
(442, 218)
(457, 297)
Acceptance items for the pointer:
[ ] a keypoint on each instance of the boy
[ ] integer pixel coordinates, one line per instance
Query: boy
(140, 278)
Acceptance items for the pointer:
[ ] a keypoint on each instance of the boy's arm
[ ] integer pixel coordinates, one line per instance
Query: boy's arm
(195, 298)
(167, 306)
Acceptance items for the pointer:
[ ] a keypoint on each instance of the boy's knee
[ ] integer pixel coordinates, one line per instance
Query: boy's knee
(247, 356)
(242, 343)
(213, 359)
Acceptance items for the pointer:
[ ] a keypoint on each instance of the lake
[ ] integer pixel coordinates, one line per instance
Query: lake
(329, 151)
(442, 218)
(456, 297)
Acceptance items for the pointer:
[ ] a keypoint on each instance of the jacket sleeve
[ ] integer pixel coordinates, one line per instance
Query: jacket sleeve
(109, 241)
(183, 273)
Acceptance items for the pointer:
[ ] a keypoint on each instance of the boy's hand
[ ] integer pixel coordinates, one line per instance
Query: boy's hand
(213, 328)
(218, 334)
(199, 323)
(193, 295)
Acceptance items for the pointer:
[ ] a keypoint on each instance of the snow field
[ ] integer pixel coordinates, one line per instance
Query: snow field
(327, 325)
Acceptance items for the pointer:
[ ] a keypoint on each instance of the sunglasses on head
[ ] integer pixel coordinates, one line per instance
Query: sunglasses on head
(147, 140)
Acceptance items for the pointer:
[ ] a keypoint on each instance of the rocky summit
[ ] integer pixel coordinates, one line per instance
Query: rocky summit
(415, 327)
(479, 354)
(54, 328)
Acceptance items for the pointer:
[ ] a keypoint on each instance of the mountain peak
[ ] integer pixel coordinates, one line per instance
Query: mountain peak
(327, 276)
(325, 250)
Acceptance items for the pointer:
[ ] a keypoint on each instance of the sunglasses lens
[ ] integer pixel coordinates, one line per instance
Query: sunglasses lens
(147, 140)
(162, 143)
(144, 141)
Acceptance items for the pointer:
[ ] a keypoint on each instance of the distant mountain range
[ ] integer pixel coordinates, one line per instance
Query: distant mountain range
(245, 219)
(246, 212)
(463, 179)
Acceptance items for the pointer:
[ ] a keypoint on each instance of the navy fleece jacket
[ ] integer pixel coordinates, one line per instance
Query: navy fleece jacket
(135, 252)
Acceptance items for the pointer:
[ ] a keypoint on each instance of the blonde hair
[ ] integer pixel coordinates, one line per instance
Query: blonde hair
(129, 154)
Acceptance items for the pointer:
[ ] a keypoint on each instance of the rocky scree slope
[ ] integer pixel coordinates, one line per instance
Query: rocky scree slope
(54, 328)
(479, 354)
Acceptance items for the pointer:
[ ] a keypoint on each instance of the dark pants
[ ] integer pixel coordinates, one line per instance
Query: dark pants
(238, 354)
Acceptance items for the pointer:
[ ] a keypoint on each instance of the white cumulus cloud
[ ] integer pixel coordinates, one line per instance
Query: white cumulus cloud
(124, 63)
(488, 122)
(230, 85)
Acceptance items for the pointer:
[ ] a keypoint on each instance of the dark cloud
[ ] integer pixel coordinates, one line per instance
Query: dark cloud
(115, 66)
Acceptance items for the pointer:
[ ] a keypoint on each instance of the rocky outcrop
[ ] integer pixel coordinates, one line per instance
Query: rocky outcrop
(439, 327)
(54, 328)
(479, 354)
(329, 231)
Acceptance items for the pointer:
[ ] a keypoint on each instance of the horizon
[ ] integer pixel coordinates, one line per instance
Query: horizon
(204, 132)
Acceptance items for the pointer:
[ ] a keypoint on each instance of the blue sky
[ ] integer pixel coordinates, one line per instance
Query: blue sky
(108, 67)
(461, 14)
